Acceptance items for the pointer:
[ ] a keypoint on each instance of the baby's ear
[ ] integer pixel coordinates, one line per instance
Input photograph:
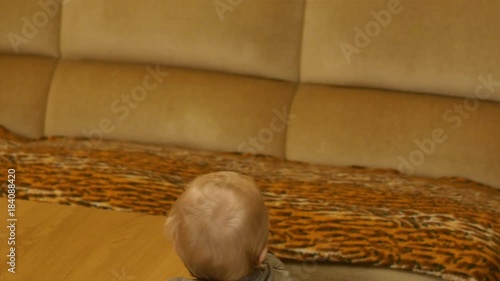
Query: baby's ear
(263, 254)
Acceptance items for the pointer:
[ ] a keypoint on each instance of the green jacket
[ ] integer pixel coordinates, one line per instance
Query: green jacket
(272, 269)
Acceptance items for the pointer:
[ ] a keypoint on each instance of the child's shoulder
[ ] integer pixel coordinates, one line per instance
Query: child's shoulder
(272, 270)
(275, 270)
(274, 262)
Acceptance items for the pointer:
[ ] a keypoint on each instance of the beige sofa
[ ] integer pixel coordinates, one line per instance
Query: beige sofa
(409, 85)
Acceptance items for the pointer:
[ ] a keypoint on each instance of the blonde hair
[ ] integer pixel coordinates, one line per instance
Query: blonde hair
(219, 226)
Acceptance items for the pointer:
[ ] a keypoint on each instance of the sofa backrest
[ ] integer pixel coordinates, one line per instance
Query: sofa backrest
(259, 38)
(225, 72)
(425, 46)
(419, 50)
(30, 27)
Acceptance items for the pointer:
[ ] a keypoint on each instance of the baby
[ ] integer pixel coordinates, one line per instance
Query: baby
(219, 228)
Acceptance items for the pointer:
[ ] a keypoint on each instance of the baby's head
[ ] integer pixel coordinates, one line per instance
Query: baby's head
(219, 226)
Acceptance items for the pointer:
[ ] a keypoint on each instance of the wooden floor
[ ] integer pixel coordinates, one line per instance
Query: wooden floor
(55, 242)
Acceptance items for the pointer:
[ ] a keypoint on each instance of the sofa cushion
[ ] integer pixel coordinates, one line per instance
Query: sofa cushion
(189, 108)
(416, 134)
(445, 227)
(253, 37)
(24, 87)
(439, 47)
(30, 27)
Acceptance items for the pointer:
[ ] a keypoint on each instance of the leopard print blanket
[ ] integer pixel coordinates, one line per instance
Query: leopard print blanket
(445, 227)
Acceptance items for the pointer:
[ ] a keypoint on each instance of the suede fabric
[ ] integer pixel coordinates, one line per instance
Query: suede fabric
(251, 37)
(187, 108)
(447, 47)
(24, 86)
(439, 47)
(337, 272)
(421, 134)
(30, 27)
